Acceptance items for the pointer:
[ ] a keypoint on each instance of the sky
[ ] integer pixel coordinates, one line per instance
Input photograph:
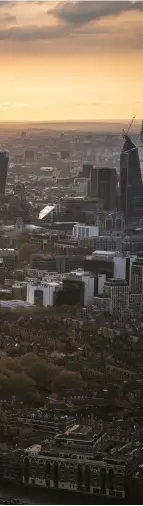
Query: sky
(68, 61)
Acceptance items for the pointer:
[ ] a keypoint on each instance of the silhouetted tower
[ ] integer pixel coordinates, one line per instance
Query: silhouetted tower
(131, 190)
(140, 148)
(4, 157)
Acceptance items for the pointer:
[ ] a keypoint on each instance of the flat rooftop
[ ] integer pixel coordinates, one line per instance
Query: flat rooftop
(79, 433)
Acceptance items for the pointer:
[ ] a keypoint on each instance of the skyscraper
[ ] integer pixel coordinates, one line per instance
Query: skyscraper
(140, 148)
(4, 157)
(131, 189)
(103, 185)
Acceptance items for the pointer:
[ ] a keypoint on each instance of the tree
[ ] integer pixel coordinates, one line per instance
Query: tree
(25, 251)
(67, 380)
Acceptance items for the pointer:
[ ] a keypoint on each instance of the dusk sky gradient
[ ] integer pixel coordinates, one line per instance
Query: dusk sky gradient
(71, 60)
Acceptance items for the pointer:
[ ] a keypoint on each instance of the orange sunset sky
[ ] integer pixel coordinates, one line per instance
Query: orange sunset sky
(71, 60)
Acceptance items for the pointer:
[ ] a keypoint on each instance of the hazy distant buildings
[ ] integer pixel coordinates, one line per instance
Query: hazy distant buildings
(131, 190)
(4, 157)
(29, 155)
(103, 186)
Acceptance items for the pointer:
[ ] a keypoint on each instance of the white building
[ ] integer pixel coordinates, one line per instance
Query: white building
(85, 231)
(42, 293)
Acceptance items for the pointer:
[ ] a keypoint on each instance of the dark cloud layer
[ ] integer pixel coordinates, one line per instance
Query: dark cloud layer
(6, 3)
(73, 30)
(80, 13)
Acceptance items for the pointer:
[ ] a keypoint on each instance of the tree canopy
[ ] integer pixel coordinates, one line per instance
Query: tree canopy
(29, 376)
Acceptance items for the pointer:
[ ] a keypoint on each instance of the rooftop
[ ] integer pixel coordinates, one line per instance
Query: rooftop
(104, 253)
(47, 210)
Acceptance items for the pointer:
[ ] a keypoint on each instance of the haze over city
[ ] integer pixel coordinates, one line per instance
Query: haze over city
(69, 61)
(71, 252)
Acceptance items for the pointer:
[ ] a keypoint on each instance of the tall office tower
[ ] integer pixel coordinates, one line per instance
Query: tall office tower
(116, 293)
(140, 149)
(4, 157)
(103, 185)
(137, 275)
(131, 189)
(136, 284)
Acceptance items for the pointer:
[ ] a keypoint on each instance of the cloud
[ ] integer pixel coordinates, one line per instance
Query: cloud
(7, 18)
(7, 3)
(32, 32)
(80, 13)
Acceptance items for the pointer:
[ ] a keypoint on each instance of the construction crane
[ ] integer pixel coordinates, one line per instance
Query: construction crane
(129, 127)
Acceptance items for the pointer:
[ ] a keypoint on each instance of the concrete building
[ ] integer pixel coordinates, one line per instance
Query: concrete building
(9, 256)
(81, 459)
(136, 284)
(110, 263)
(117, 293)
(42, 292)
(54, 289)
(137, 275)
(84, 231)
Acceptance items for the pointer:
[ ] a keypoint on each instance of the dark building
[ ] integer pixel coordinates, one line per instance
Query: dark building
(57, 263)
(72, 293)
(102, 185)
(131, 190)
(86, 170)
(29, 155)
(65, 155)
(4, 157)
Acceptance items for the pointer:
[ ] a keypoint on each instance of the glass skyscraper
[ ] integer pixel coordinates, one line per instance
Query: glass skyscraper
(131, 189)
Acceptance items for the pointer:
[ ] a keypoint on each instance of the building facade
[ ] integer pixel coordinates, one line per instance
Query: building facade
(131, 190)
(4, 157)
(103, 182)
(116, 292)
(80, 460)
(84, 231)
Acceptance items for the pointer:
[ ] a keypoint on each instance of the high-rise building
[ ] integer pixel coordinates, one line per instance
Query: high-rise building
(4, 157)
(103, 185)
(140, 149)
(131, 190)
(136, 284)
(137, 275)
(117, 293)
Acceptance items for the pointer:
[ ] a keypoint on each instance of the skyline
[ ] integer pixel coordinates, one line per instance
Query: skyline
(71, 61)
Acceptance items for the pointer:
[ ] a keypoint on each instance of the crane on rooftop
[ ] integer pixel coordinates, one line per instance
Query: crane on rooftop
(129, 127)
